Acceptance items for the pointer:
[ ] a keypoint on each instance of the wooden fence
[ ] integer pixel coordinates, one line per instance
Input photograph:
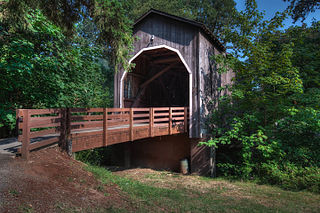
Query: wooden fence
(79, 129)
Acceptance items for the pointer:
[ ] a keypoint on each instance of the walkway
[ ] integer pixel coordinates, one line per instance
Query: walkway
(96, 127)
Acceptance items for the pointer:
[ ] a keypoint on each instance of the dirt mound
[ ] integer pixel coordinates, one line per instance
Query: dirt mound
(51, 181)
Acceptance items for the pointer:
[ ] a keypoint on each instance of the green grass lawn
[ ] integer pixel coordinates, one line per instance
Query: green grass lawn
(169, 192)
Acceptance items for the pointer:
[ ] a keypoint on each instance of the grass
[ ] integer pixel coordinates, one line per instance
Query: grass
(13, 192)
(26, 209)
(218, 195)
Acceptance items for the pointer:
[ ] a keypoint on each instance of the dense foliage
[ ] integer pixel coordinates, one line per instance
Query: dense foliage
(65, 58)
(301, 8)
(269, 128)
(63, 53)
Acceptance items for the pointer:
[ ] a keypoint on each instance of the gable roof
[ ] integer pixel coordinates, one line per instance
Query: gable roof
(199, 25)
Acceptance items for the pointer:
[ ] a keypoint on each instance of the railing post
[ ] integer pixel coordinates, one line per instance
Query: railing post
(26, 135)
(131, 124)
(62, 128)
(18, 121)
(65, 142)
(151, 118)
(170, 121)
(68, 144)
(185, 119)
(105, 126)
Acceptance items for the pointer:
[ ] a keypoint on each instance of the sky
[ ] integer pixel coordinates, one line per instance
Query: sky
(272, 6)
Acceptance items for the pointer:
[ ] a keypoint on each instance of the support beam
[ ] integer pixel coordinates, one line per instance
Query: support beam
(105, 126)
(131, 124)
(137, 75)
(26, 135)
(157, 75)
(68, 145)
(166, 60)
(140, 92)
(185, 119)
(147, 82)
(151, 120)
(170, 121)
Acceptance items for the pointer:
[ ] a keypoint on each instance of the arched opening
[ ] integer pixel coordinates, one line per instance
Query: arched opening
(160, 78)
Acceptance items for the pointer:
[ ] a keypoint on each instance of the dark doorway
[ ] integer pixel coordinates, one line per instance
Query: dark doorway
(159, 78)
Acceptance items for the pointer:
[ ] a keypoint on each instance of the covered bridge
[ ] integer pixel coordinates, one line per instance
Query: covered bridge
(173, 67)
(160, 107)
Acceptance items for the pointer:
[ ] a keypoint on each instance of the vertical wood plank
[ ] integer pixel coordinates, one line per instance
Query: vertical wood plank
(62, 127)
(68, 144)
(105, 126)
(170, 121)
(151, 118)
(18, 119)
(131, 124)
(26, 135)
(185, 119)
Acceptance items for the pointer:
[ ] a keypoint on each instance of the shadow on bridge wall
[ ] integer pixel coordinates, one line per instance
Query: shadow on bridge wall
(162, 153)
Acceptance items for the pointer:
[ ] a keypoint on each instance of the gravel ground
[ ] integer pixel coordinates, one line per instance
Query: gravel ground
(8, 147)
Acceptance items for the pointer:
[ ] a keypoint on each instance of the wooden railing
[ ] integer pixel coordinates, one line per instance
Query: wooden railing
(96, 127)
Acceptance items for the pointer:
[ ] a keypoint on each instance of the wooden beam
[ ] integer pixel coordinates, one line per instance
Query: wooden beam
(105, 126)
(185, 119)
(137, 75)
(166, 60)
(63, 114)
(147, 82)
(151, 119)
(26, 135)
(157, 75)
(131, 124)
(68, 144)
(170, 121)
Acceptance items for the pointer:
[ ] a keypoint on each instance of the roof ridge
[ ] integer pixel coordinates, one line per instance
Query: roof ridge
(186, 20)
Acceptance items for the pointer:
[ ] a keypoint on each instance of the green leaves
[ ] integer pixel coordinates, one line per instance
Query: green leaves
(42, 68)
(272, 114)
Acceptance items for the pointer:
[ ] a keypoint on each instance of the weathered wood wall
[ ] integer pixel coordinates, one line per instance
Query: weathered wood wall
(172, 33)
(210, 81)
(196, 49)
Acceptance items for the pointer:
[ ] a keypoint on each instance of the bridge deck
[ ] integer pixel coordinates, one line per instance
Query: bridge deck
(96, 127)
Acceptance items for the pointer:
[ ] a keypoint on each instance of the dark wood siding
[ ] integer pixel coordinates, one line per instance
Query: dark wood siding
(210, 81)
(172, 33)
(196, 48)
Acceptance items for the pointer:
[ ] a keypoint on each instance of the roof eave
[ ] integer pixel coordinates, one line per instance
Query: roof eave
(188, 21)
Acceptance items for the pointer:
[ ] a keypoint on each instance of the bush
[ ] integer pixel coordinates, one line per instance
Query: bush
(290, 176)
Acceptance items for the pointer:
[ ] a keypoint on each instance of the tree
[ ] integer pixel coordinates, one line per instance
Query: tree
(268, 127)
(215, 14)
(301, 8)
(60, 53)
(113, 27)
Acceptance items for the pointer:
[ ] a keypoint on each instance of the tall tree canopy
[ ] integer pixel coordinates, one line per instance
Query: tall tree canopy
(60, 53)
(268, 127)
(215, 14)
(301, 8)
(113, 27)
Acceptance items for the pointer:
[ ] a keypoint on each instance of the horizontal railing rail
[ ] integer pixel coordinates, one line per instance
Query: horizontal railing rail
(43, 127)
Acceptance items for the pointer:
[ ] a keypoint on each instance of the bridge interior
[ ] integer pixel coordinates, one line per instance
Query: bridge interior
(158, 79)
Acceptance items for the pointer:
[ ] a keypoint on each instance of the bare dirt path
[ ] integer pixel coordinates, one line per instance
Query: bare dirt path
(53, 182)
(8, 148)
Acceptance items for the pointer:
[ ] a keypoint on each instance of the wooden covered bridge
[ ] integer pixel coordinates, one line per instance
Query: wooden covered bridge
(168, 93)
